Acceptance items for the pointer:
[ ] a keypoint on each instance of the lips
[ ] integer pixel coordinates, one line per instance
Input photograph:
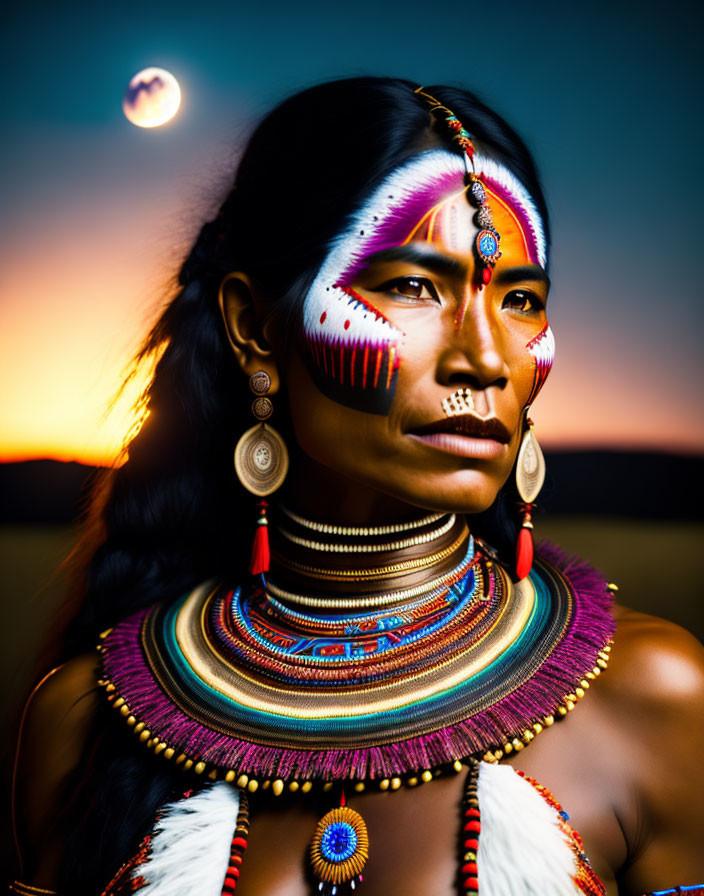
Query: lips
(467, 425)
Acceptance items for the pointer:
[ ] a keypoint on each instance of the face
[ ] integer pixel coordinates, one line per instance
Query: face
(397, 328)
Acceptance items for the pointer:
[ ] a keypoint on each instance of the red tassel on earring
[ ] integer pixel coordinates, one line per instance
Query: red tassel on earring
(260, 549)
(524, 546)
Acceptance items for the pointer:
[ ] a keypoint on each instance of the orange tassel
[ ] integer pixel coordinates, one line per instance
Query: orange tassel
(260, 549)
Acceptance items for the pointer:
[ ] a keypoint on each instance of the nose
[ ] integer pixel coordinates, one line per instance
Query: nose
(475, 356)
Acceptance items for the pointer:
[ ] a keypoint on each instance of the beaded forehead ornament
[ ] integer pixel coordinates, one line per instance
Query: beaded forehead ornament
(486, 244)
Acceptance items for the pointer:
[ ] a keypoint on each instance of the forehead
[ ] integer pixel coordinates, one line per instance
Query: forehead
(432, 184)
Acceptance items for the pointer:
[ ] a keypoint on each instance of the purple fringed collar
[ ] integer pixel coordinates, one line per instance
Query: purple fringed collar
(196, 738)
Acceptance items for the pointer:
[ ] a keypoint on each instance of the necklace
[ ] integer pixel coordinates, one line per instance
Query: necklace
(232, 685)
(363, 601)
(372, 531)
(267, 700)
(371, 548)
(402, 567)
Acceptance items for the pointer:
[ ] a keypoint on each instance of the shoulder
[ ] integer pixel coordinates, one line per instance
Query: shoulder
(652, 703)
(656, 665)
(51, 741)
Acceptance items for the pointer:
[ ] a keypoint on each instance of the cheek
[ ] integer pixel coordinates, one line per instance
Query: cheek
(542, 352)
(352, 351)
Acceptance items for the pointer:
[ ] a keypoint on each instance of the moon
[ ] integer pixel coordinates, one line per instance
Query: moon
(152, 98)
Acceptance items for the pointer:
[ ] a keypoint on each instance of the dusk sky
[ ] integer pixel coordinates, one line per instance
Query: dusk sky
(97, 213)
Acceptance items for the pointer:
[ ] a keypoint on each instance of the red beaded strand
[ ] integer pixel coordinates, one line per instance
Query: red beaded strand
(471, 830)
(238, 847)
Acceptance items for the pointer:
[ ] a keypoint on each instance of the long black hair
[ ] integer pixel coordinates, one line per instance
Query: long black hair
(173, 513)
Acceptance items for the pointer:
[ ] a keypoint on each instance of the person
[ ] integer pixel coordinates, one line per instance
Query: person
(341, 666)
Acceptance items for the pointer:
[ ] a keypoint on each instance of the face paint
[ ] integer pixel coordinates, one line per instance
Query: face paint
(542, 347)
(352, 349)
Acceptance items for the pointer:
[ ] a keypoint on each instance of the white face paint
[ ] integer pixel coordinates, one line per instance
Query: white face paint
(354, 350)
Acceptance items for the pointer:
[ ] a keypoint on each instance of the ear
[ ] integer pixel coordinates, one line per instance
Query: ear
(239, 303)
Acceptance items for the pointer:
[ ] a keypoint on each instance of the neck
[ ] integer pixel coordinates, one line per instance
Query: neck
(340, 566)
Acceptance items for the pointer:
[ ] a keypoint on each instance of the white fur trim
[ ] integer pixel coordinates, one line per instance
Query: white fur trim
(521, 847)
(191, 844)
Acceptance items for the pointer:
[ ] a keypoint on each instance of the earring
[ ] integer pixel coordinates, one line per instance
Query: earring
(530, 475)
(261, 464)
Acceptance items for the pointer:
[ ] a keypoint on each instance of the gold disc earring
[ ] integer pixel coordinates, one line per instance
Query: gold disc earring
(261, 464)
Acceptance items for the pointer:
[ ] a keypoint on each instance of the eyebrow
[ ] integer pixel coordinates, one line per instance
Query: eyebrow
(524, 272)
(439, 263)
(426, 257)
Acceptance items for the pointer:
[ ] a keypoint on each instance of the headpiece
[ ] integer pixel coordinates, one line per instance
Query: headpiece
(486, 244)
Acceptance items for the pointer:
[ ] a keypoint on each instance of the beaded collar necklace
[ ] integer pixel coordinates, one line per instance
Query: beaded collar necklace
(251, 687)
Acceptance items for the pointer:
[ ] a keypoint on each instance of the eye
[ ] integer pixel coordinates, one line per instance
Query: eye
(524, 301)
(410, 288)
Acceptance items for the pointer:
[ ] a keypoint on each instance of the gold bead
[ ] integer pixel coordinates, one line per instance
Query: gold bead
(188, 765)
(395, 783)
(139, 727)
(591, 676)
(508, 748)
(131, 721)
(570, 705)
(597, 669)
(427, 776)
(604, 655)
(230, 776)
(266, 784)
(537, 727)
(118, 703)
(145, 735)
(601, 664)
(607, 649)
(151, 742)
(328, 785)
(549, 720)
(124, 710)
(277, 787)
(160, 747)
(242, 781)
(213, 774)
(169, 752)
(579, 692)
(572, 697)
(384, 784)
(253, 785)
(412, 782)
(528, 735)
(584, 684)
(359, 786)
(489, 757)
(517, 744)
(199, 768)
(180, 758)
(562, 710)
(293, 786)
(457, 765)
(306, 786)
(612, 586)
(498, 755)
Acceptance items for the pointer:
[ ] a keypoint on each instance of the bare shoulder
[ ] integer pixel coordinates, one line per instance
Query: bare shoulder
(656, 665)
(51, 742)
(652, 710)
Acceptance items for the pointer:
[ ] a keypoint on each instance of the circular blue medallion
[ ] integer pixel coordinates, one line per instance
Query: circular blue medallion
(487, 244)
(339, 841)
